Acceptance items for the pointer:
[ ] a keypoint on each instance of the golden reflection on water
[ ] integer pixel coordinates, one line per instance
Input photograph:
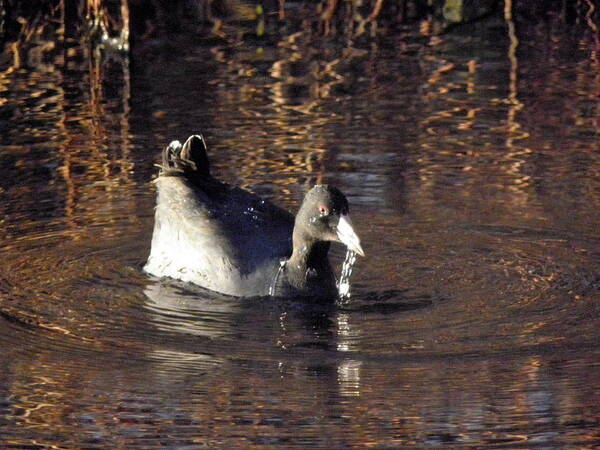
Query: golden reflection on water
(81, 125)
(486, 126)
(459, 102)
(450, 399)
(458, 129)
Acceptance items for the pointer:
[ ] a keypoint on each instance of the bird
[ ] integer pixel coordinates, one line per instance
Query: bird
(229, 240)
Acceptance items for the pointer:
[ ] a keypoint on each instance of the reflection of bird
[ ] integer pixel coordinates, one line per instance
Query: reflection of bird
(184, 309)
(229, 240)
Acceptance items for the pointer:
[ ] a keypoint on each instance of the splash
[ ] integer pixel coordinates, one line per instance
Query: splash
(273, 285)
(344, 283)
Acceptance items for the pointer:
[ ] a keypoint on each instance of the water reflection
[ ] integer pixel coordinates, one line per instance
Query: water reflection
(471, 164)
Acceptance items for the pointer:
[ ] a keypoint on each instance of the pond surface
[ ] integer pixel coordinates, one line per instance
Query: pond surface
(471, 163)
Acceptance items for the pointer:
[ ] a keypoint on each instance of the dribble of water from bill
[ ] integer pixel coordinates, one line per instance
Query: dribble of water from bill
(344, 283)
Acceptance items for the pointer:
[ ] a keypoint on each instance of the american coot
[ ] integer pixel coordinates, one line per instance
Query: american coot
(229, 240)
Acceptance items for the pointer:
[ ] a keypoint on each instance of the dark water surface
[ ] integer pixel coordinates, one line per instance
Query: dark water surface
(472, 167)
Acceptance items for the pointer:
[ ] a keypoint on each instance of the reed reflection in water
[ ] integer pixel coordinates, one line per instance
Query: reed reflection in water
(471, 165)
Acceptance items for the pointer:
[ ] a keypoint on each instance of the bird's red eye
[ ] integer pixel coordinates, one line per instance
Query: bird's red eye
(324, 210)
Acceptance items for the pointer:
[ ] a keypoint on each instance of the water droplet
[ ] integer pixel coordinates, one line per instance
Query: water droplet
(274, 284)
(344, 283)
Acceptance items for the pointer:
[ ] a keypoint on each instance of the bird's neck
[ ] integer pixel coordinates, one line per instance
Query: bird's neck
(309, 262)
(309, 255)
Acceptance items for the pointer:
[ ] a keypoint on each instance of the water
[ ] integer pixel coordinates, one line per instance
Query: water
(472, 175)
(344, 279)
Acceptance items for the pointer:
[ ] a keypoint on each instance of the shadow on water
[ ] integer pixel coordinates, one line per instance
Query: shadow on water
(188, 310)
(390, 301)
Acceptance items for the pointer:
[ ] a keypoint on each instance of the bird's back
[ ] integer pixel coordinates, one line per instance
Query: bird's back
(217, 236)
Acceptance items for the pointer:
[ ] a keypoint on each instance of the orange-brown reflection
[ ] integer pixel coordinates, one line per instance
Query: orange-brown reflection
(73, 399)
(501, 147)
(494, 123)
(71, 109)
